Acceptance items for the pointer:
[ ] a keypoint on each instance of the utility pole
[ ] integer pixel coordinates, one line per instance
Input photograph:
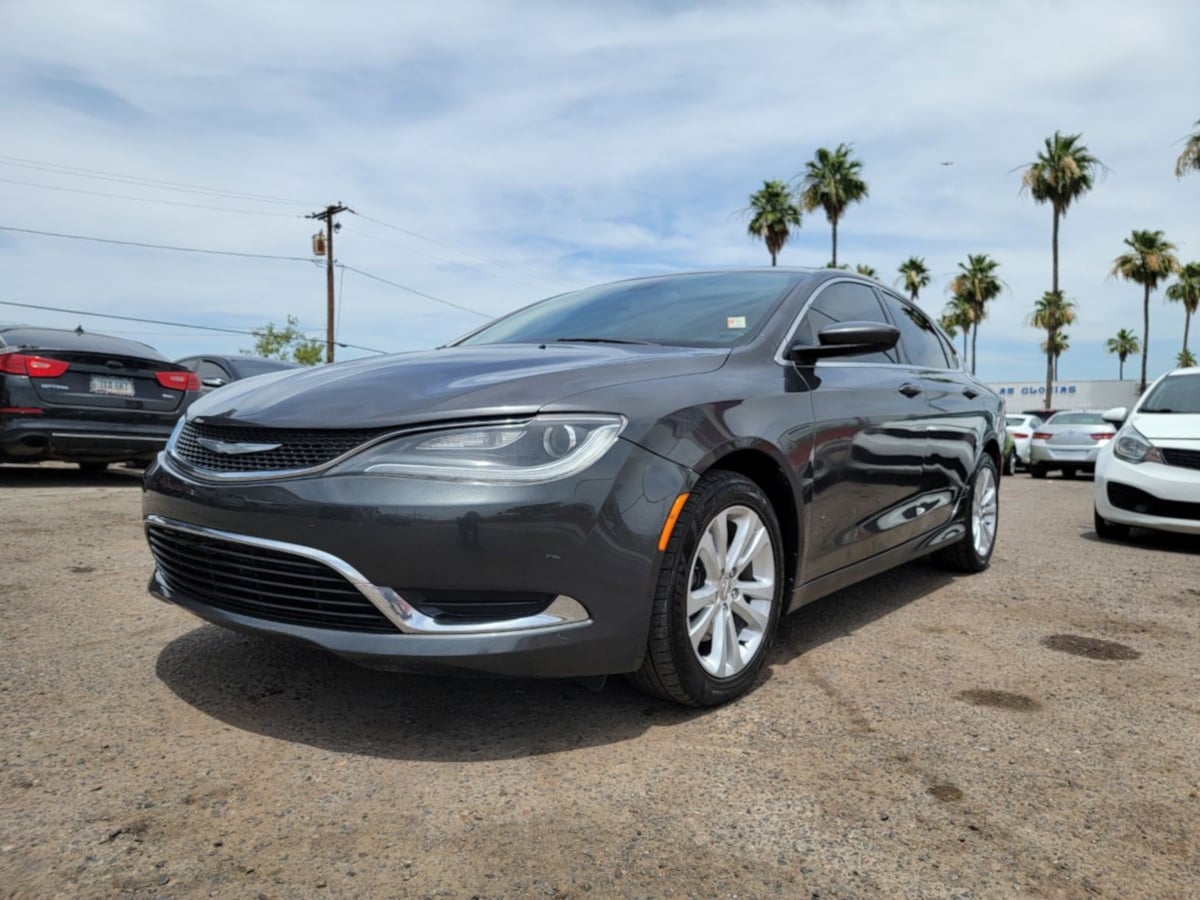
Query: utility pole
(326, 215)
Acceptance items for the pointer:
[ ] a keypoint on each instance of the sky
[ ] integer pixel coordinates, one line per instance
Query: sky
(494, 153)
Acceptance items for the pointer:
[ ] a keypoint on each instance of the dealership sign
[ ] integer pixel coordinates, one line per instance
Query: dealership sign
(1067, 394)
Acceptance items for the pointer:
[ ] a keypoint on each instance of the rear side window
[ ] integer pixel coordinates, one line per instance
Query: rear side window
(843, 301)
(918, 337)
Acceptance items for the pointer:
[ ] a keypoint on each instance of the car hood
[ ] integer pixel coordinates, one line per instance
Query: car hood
(1168, 426)
(452, 382)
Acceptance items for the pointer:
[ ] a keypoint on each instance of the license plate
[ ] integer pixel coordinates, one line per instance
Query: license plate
(112, 386)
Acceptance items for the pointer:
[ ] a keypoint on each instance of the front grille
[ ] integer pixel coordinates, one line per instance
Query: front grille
(297, 448)
(261, 583)
(1124, 496)
(1189, 459)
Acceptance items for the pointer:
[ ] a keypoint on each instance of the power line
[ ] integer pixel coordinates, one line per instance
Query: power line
(102, 175)
(415, 291)
(100, 240)
(145, 321)
(480, 260)
(53, 187)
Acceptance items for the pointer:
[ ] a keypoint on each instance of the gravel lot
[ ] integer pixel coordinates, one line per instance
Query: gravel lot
(1034, 730)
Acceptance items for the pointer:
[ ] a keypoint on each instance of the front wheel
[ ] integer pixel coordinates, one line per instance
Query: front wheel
(1109, 531)
(1069, 472)
(974, 552)
(719, 595)
(1038, 470)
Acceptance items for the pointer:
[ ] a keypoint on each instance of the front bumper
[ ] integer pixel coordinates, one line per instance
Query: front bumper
(397, 545)
(1148, 495)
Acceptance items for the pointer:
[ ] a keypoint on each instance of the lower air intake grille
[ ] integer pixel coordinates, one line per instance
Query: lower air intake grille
(288, 449)
(1124, 496)
(261, 583)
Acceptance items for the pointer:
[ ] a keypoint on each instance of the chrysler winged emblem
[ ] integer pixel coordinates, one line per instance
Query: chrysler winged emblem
(234, 448)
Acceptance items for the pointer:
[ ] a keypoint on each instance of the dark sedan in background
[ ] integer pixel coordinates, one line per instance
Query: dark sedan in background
(218, 371)
(86, 398)
(636, 478)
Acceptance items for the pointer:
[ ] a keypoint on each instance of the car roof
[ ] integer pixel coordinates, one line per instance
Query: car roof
(32, 338)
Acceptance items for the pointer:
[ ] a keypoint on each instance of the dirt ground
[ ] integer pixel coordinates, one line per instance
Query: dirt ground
(1031, 731)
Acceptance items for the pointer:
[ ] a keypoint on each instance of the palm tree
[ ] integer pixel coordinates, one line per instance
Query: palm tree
(1187, 291)
(864, 269)
(774, 214)
(1185, 359)
(1051, 313)
(958, 316)
(915, 275)
(1054, 346)
(1124, 344)
(832, 181)
(977, 283)
(1062, 173)
(1189, 159)
(1148, 262)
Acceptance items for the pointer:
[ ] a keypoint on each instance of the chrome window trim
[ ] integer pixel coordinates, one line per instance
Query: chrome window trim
(563, 612)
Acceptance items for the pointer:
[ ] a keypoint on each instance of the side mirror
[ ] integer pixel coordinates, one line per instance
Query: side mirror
(1117, 415)
(213, 382)
(846, 339)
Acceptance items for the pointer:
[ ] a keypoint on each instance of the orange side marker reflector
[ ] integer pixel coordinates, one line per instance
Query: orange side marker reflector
(676, 509)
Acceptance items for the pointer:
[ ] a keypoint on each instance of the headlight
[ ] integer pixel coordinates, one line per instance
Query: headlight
(1132, 447)
(545, 448)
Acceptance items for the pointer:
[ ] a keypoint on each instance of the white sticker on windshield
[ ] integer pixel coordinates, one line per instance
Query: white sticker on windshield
(735, 322)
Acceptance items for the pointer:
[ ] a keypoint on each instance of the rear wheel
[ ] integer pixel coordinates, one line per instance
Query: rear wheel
(1037, 470)
(1069, 472)
(1109, 531)
(1010, 464)
(93, 468)
(974, 552)
(719, 595)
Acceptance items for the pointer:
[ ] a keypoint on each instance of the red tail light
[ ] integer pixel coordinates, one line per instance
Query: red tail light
(1103, 435)
(179, 381)
(1042, 435)
(1019, 434)
(33, 366)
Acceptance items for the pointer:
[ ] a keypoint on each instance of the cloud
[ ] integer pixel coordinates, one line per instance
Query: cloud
(520, 149)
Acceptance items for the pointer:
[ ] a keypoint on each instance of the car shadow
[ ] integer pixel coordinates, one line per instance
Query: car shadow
(55, 475)
(292, 692)
(852, 608)
(1167, 541)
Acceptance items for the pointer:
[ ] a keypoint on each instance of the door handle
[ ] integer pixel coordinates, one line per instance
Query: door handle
(910, 390)
(970, 393)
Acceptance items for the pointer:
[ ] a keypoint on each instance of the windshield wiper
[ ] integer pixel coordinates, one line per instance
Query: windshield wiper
(602, 340)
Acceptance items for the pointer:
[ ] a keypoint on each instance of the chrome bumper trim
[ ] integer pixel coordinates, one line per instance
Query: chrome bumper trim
(563, 612)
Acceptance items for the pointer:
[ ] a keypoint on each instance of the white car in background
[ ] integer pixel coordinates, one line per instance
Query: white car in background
(1149, 474)
(1020, 427)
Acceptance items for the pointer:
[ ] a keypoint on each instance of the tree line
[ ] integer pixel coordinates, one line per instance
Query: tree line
(1062, 173)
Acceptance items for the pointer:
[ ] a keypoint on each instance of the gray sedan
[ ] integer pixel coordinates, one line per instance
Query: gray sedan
(638, 478)
(1068, 441)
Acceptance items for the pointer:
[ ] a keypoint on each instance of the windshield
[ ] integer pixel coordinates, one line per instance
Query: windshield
(718, 309)
(249, 367)
(1174, 394)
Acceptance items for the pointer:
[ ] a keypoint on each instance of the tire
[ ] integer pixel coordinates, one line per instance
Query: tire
(93, 468)
(1109, 531)
(697, 594)
(1037, 470)
(1010, 465)
(1069, 472)
(974, 552)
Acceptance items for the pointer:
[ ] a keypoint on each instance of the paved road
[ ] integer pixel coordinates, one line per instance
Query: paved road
(1034, 730)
